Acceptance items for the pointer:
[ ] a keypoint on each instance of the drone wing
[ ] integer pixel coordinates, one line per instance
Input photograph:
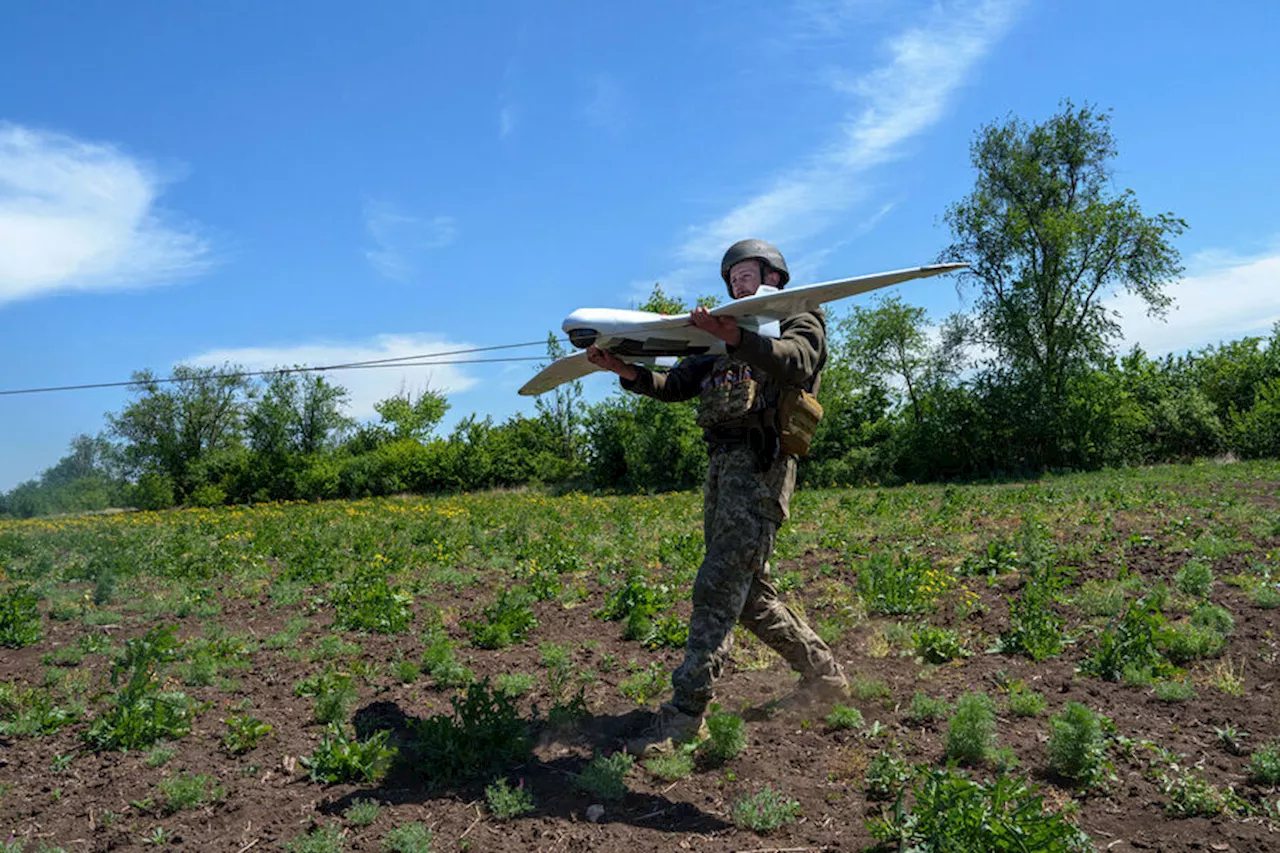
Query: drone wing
(567, 369)
(779, 304)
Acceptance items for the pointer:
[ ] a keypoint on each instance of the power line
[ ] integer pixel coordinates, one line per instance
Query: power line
(377, 363)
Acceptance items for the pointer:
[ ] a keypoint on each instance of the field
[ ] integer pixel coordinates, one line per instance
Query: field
(460, 673)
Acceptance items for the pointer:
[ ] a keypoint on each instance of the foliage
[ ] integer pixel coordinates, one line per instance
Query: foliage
(728, 737)
(971, 730)
(507, 620)
(340, 758)
(605, 776)
(674, 765)
(844, 717)
(244, 732)
(365, 601)
(925, 708)
(362, 812)
(19, 617)
(505, 802)
(909, 584)
(408, 838)
(765, 810)
(482, 737)
(321, 839)
(1078, 746)
(1264, 765)
(142, 713)
(886, 776)
(1129, 643)
(188, 791)
(935, 644)
(1047, 240)
(954, 813)
(1195, 578)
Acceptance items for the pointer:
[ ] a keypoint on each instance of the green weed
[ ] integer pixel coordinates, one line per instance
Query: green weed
(926, 709)
(885, 778)
(508, 620)
(188, 791)
(505, 802)
(339, 758)
(765, 810)
(844, 717)
(1078, 746)
(728, 739)
(605, 776)
(19, 617)
(142, 713)
(938, 645)
(408, 838)
(362, 812)
(244, 732)
(971, 730)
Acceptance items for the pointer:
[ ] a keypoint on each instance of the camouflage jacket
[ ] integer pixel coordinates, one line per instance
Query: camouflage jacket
(721, 382)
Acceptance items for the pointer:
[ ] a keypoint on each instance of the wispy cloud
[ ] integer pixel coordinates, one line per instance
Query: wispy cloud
(1224, 298)
(77, 215)
(366, 386)
(401, 241)
(895, 102)
(604, 107)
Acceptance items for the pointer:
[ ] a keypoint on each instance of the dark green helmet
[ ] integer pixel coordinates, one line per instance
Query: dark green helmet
(766, 253)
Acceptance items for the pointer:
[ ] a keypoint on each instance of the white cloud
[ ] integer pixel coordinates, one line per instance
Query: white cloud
(366, 386)
(1225, 298)
(604, 107)
(896, 101)
(78, 215)
(401, 241)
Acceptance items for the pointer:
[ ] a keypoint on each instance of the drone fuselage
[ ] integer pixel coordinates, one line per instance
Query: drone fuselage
(638, 334)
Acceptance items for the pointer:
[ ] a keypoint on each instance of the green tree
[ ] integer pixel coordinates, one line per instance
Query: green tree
(1047, 238)
(175, 425)
(407, 416)
(562, 410)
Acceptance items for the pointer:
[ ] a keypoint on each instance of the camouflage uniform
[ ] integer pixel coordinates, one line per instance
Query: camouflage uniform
(746, 497)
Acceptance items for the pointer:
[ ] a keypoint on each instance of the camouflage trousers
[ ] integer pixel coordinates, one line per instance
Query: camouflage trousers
(742, 509)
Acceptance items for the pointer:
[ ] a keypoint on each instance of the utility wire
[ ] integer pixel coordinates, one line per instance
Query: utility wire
(393, 361)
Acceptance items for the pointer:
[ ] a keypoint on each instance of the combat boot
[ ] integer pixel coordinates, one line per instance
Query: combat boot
(671, 728)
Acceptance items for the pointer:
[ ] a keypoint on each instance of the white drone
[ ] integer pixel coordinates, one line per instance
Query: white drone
(645, 337)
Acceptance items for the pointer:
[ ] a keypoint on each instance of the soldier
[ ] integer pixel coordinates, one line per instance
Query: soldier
(746, 495)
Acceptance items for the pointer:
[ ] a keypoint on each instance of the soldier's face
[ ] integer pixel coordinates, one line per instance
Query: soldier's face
(744, 278)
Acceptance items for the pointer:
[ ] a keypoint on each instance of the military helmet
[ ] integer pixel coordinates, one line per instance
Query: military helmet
(766, 253)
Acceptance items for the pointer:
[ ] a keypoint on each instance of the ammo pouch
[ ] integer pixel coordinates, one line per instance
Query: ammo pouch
(799, 414)
(728, 402)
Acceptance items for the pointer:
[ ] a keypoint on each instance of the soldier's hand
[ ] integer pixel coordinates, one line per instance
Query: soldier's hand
(724, 328)
(609, 361)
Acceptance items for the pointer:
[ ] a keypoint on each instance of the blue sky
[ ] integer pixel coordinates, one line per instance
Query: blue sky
(317, 182)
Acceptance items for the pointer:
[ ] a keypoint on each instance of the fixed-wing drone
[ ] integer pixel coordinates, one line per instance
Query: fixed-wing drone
(645, 337)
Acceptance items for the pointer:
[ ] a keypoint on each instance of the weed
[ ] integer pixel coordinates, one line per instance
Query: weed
(1035, 630)
(1195, 578)
(1174, 690)
(288, 638)
(408, 838)
(188, 791)
(866, 689)
(334, 696)
(998, 558)
(159, 754)
(405, 671)
(1191, 795)
(367, 602)
(909, 584)
(1213, 617)
(514, 683)
(142, 713)
(885, 778)
(321, 839)
(339, 758)
(244, 732)
(675, 765)
(643, 686)
(440, 661)
(19, 617)
(508, 620)
(728, 739)
(1130, 643)
(1264, 765)
(362, 812)
(926, 709)
(1227, 679)
(765, 810)
(605, 777)
(505, 802)
(332, 647)
(482, 738)
(34, 714)
(938, 645)
(952, 812)
(159, 837)
(1184, 644)
(1266, 596)
(971, 729)
(844, 717)
(1024, 702)
(1078, 746)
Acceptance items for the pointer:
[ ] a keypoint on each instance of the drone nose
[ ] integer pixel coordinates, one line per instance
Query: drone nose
(583, 338)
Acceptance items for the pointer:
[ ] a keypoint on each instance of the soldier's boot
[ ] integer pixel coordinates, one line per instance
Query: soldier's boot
(817, 691)
(671, 728)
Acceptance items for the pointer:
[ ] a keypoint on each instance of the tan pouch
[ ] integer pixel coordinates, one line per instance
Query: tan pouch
(728, 402)
(799, 414)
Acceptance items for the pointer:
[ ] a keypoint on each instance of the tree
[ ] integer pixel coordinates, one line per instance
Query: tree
(409, 417)
(174, 425)
(562, 410)
(1047, 238)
